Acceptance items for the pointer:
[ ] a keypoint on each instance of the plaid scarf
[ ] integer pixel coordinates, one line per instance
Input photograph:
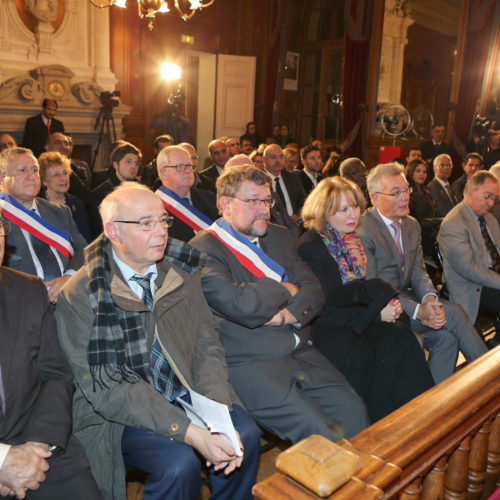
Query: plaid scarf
(117, 349)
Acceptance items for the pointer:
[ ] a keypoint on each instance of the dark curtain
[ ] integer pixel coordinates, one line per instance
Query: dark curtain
(481, 43)
(358, 14)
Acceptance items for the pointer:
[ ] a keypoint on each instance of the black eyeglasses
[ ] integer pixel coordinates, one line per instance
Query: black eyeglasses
(255, 202)
(149, 224)
(4, 228)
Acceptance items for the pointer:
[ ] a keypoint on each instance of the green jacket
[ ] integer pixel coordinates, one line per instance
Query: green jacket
(188, 334)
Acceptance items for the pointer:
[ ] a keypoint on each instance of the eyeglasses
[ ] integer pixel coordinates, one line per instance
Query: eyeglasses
(489, 197)
(4, 228)
(181, 167)
(398, 194)
(255, 202)
(149, 224)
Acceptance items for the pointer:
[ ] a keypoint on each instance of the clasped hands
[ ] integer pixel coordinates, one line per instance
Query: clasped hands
(24, 468)
(289, 318)
(431, 313)
(392, 311)
(214, 448)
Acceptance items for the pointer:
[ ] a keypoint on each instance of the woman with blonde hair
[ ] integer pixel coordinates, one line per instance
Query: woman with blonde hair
(362, 329)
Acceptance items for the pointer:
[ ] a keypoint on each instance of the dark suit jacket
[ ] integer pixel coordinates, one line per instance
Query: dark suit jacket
(430, 151)
(17, 253)
(442, 202)
(36, 378)
(94, 200)
(208, 178)
(294, 189)
(205, 202)
(307, 184)
(244, 303)
(36, 133)
(457, 188)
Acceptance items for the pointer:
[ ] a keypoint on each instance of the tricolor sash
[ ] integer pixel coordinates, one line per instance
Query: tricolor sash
(250, 256)
(36, 226)
(188, 214)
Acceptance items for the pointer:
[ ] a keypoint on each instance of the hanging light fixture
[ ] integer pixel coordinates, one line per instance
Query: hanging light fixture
(149, 8)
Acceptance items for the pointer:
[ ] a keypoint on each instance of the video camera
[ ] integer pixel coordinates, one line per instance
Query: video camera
(110, 100)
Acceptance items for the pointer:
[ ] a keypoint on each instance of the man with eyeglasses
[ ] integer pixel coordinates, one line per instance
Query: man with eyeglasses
(192, 209)
(44, 240)
(392, 242)
(440, 188)
(264, 297)
(139, 335)
(469, 240)
(38, 455)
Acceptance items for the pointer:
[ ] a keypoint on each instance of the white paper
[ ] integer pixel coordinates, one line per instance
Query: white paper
(213, 416)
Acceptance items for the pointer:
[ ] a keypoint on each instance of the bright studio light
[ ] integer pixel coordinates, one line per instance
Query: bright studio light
(170, 71)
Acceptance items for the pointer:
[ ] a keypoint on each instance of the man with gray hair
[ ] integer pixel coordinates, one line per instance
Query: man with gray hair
(192, 209)
(44, 240)
(392, 243)
(439, 187)
(139, 336)
(265, 296)
(469, 240)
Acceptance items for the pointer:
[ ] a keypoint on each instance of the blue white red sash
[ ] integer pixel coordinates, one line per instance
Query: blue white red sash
(35, 225)
(250, 256)
(183, 210)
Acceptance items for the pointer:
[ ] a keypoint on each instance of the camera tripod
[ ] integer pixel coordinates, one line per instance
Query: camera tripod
(105, 118)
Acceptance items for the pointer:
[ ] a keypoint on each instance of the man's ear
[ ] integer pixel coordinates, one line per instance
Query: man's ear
(225, 204)
(112, 231)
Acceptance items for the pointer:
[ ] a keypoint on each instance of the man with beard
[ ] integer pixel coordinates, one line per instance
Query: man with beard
(264, 297)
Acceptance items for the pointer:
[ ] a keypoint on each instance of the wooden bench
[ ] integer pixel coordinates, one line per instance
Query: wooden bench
(443, 444)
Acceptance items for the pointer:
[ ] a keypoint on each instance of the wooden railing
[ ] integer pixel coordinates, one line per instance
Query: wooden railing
(443, 444)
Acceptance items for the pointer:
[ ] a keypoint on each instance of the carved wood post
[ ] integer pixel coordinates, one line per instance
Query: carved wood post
(457, 473)
(477, 463)
(412, 491)
(493, 459)
(433, 488)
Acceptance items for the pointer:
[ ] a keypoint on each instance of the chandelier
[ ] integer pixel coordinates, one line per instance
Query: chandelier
(148, 8)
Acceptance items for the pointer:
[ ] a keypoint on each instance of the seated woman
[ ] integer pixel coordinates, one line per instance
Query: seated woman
(55, 170)
(422, 208)
(361, 329)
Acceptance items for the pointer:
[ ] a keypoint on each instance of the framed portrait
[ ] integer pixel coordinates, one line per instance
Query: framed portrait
(291, 80)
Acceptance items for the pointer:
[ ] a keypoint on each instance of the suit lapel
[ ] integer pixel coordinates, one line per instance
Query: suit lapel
(386, 234)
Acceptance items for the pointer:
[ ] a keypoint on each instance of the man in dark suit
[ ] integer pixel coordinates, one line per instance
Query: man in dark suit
(264, 312)
(471, 163)
(392, 243)
(285, 183)
(149, 175)
(35, 220)
(355, 170)
(38, 128)
(219, 155)
(37, 451)
(126, 160)
(435, 146)
(310, 157)
(440, 188)
(180, 197)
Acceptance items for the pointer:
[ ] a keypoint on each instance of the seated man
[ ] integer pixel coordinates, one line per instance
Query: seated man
(138, 333)
(469, 240)
(7, 141)
(471, 163)
(37, 451)
(264, 296)
(44, 240)
(149, 175)
(439, 187)
(193, 209)
(392, 242)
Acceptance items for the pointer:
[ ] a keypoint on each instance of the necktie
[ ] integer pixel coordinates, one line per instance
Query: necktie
(2, 394)
(279, 190)
(397, 239)
(47, 259)
(164, 378)
(48, 126)
(492, 249)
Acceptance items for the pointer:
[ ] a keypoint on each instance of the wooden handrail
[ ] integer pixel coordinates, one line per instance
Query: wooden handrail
(443, 444)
